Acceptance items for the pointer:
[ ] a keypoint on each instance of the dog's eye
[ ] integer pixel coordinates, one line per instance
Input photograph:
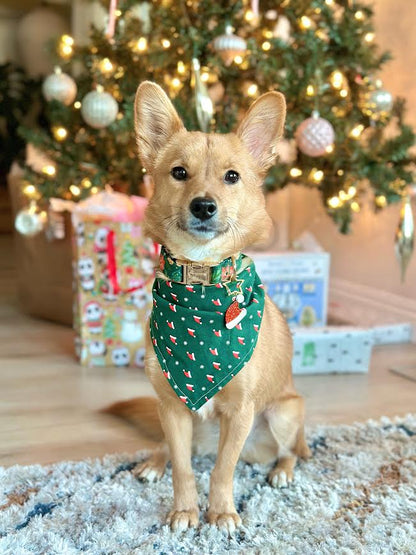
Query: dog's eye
(231, 177)
(179, 173)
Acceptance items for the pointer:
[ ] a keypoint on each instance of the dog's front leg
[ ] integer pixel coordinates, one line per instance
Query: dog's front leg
(234, 429)
(177, 425)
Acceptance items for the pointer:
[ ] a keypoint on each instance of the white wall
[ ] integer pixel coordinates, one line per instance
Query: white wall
(8, 28)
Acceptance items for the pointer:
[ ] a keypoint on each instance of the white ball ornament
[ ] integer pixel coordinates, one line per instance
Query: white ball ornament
(59, 86)
(30, 221)
(315, 136)
(99, 109)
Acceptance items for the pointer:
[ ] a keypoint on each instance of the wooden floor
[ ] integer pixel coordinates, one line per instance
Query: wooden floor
(48, 404)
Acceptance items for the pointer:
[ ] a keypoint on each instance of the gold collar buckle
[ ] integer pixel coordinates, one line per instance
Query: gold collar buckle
(196, 273)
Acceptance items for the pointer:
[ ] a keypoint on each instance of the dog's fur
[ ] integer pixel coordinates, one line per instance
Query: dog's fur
(260, 414)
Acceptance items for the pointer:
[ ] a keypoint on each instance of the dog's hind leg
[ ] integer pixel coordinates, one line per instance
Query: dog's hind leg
(153, 468)
(285, 420)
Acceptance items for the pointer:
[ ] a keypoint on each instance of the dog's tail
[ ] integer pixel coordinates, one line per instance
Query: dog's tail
(141, 413)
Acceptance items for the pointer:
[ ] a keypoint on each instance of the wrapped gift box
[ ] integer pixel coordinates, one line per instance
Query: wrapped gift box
(393, 333)
(297, 282)
(114, 272)
(332, 349)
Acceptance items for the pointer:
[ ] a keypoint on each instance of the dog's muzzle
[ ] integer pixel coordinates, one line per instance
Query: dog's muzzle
(203, 208)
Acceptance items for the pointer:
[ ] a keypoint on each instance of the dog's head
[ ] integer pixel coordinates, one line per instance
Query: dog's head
(208, 201)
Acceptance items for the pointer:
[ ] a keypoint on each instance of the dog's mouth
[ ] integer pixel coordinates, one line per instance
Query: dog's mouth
(202, 230)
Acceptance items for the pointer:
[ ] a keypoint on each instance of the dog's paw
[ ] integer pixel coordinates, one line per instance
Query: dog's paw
(228, 522)
(182, 520)
(148, 471)
(279, 478)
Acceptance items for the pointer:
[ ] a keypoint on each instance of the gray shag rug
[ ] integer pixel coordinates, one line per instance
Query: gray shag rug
(356, 495)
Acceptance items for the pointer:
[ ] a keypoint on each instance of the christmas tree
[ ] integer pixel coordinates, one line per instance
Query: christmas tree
(344, 133)
(109, 329)
(129, 255)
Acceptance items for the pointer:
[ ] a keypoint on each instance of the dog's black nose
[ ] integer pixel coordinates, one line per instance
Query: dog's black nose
(203, 208)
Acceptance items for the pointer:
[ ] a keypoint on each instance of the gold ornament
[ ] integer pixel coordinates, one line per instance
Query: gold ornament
(229, 45)
(203, 102)
(404, 237)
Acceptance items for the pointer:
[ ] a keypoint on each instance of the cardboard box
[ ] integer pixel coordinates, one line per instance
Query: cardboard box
(332, 349)
(297, 282)
(43, 264)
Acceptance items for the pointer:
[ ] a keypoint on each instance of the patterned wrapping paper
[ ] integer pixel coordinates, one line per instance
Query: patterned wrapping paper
(113, 275)
(332, 349)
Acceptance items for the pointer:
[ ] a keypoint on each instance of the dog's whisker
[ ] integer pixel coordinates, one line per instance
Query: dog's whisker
(236, 232)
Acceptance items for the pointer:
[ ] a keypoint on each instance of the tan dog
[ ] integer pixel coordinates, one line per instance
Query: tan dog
(261, 416)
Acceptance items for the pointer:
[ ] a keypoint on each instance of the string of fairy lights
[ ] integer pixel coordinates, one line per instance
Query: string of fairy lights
(315, 137)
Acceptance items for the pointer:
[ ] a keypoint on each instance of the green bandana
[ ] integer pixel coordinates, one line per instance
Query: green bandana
(198, 353)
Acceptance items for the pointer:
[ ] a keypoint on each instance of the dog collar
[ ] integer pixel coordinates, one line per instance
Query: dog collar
(186, 272)
(204, 335)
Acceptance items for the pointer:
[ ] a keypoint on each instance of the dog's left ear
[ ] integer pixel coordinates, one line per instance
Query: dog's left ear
(262, 127)
(155, 121)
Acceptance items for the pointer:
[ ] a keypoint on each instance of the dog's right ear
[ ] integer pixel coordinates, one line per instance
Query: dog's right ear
(155, 121)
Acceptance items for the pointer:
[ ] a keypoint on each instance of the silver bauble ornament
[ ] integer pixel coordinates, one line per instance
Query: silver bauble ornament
(229, 45)
(377, 103)
(59, 86)
(315, 136)
(30, 221)
(405, 236)
(203, 103)
(99, 109)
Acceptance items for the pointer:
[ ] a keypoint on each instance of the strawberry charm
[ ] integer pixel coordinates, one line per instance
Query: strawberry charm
(234, 313)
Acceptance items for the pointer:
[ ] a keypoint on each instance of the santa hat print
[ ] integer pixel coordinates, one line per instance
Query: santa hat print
(234, 315)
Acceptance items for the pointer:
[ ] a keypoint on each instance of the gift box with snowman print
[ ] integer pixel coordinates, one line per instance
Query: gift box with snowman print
(113, 276)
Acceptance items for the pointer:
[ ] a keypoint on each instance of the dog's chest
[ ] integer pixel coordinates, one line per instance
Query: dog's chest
(207, 410)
